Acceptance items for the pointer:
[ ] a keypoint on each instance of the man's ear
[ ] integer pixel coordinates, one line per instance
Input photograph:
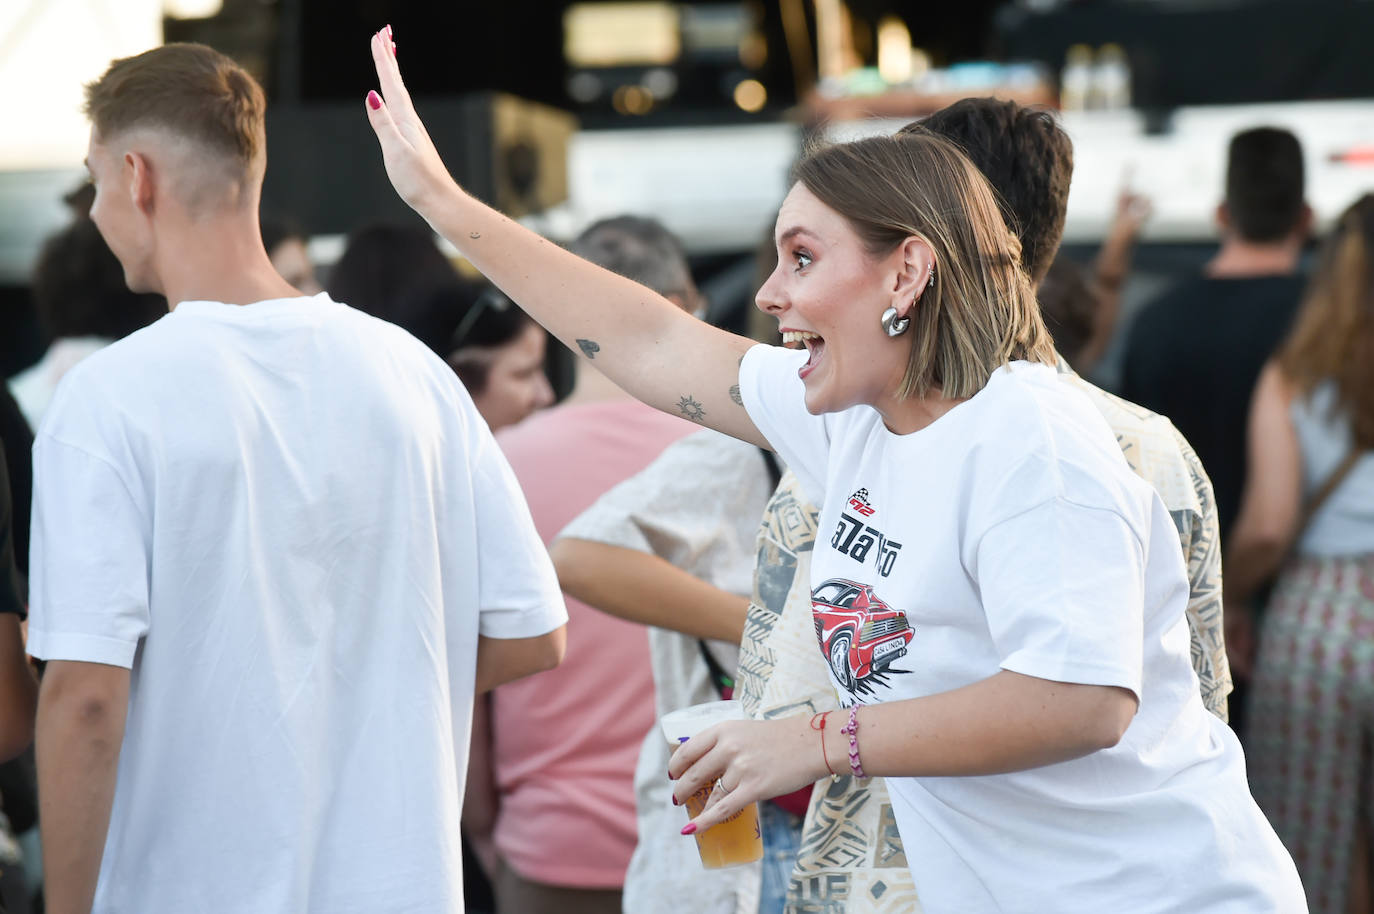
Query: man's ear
(1223, 217)
(915, 264)
(140, 181)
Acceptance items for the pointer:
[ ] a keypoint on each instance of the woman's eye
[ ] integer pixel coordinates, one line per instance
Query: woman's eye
(802, 258)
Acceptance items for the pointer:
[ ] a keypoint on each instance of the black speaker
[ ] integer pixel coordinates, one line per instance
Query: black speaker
(324, 167)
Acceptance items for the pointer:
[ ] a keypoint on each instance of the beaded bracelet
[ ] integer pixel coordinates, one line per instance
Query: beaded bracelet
(823, 715)
(851, 730)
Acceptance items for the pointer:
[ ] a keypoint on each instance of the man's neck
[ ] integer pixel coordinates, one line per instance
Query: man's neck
(591, 386)
(218, 260)
(1240, 259)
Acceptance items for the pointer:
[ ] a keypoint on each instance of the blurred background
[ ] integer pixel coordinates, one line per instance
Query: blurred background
(563, 112)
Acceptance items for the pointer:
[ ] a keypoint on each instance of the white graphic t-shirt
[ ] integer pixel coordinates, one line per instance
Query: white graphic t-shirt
(1011, 535)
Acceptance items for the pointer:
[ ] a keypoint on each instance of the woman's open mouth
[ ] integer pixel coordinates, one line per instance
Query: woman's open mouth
(815, 346)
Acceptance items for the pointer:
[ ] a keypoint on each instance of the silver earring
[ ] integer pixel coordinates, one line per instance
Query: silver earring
(931, 281)
(894, 325)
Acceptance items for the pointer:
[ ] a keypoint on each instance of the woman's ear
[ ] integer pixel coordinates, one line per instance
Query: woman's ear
(914, 264)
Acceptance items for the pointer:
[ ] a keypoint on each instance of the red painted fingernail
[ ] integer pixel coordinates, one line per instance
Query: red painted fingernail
(374, 101)
(675, 802)
(689, 828)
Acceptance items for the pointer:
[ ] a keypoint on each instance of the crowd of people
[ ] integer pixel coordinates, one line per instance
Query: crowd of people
(336, 610)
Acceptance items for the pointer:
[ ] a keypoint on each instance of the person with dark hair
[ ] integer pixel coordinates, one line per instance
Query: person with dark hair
(1307, 513)
(496, 349)
(1001, 601)
(284, 242)
(1026, 157)
(386, 270)
(1195, 352)
(276, 554)
(83, 305)
(576, 732)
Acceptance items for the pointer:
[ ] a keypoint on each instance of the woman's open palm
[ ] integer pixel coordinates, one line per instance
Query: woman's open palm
(412, 162)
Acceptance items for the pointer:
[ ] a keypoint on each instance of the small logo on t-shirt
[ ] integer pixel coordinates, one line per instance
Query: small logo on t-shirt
(859, 634)
(859, 503)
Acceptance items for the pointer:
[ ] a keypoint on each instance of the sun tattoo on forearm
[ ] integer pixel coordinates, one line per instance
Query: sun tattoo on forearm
(690, 409)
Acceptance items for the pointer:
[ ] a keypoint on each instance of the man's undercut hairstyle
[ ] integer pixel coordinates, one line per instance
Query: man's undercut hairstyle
(641, 249)
(979, 313)
(186, 89)
(1026, 157)
(1264, 184)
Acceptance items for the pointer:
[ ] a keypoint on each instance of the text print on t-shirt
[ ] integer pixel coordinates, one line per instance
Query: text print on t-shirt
(856, 539)
(859, 634)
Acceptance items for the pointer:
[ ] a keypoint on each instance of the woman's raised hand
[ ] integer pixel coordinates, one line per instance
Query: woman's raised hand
(412, 162)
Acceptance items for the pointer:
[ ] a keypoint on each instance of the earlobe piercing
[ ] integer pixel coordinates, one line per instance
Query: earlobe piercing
(894, 325)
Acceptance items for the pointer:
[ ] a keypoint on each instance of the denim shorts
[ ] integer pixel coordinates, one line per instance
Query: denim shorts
(781, 841)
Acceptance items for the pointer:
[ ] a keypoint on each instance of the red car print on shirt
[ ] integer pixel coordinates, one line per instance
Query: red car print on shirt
(859, 634)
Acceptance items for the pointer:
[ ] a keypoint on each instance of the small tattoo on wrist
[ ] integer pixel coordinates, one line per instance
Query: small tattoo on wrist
(735, 395)
(690, 409)
(474, 235)
(589, 348)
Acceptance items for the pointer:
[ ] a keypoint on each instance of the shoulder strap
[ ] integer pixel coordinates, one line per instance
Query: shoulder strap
(1332, 483)
(774, 468)
(719, 678)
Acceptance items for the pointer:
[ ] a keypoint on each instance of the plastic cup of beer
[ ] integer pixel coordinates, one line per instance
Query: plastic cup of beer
(738, 839)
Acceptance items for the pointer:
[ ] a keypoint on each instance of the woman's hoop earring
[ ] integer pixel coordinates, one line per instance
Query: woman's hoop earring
(894, 325)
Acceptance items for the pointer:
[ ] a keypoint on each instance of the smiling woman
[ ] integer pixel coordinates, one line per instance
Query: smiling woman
(1001, 602)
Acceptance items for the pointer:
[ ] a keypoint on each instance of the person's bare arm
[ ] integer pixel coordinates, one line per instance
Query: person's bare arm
(502, 660)
(636, 337)
(1272, 499)
(1270, 508)
(81, 712)
(1007, 722)
(1110, 270)
(641, 587)
(18, 690)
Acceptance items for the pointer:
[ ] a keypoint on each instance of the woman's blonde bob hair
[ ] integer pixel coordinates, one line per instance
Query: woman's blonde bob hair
(981, 312)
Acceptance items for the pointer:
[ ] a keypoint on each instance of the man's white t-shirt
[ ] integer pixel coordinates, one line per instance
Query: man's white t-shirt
(1011, 535)
(290, 522)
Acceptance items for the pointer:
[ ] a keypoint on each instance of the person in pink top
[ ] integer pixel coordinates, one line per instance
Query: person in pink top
(563, 747)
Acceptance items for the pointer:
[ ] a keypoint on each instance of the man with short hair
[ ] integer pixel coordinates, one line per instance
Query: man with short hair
(1195, 352)
(275, 553)
(851, 849)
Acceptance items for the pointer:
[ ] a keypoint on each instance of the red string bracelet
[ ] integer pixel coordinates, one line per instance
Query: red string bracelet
(820, 728)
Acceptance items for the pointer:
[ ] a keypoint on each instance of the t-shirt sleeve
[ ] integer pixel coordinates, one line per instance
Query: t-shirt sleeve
(1063, 589)
(89, 559)
(776, 400)
(518, 593)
